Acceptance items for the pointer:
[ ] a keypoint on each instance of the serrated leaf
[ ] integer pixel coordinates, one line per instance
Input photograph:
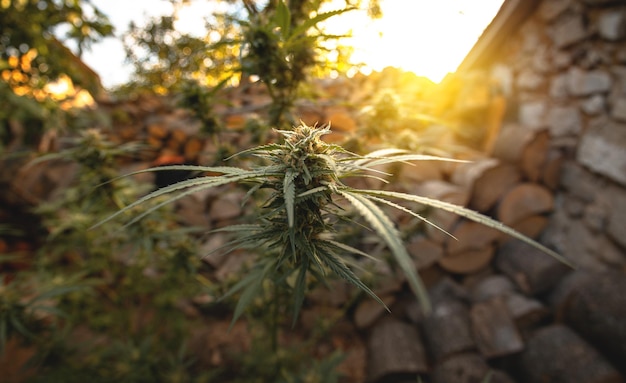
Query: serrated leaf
(385, 228)
(301, 29)
(337, 266)
(289, 194)
(469, 214)
(411, 212)
(283, 19)
(348, 249)
(300, 290)
(195, 185)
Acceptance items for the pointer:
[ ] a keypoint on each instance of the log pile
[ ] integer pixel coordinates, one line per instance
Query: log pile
(512, 308)
(500, 307)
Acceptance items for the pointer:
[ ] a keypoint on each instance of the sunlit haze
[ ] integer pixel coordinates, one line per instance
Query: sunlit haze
(429, 38)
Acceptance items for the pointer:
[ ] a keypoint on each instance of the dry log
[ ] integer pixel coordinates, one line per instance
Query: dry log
(486, 181)
(526, 312)
(466, 174)
(531, 227)
(551, 176)
(447, 330)
(525, 148)
(472, 250)
(447, 289)
(467, 261)
(425, 252)
(369, 311)
(470, 235)
(533, 271)
(395, 349)
(511, 142)
(557, 354)
(492, 286)
(443, 191)
(494, 331)
(411, 173)
(523, 201)
(594, 304)
(534, 156)
(467, 368)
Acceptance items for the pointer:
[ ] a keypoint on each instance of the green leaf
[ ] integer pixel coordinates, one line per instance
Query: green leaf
(283, 19)
(289, 194)
(252, 286)
(347, 248)
(55, 292)
(195, 185)
(337, 266)
(300, 290)
(414, 214)
(469, 214)
(385, 228)
(301, 29)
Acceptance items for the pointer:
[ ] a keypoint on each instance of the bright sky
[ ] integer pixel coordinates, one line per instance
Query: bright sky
(428, 37)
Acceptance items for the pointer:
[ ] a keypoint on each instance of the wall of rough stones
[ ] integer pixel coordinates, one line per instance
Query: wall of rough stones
(564, 71)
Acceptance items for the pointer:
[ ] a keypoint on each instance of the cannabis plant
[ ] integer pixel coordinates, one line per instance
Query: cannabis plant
(295, 228)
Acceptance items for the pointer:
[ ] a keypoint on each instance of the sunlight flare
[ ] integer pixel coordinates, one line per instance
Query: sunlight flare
(425, 37)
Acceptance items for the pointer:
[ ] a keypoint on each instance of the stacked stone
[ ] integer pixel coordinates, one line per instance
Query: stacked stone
(567, 67)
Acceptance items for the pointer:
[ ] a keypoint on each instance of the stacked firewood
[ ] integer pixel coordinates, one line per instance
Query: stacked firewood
(501, 306)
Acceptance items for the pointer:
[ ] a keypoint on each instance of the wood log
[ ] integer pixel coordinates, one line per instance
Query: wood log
(534, 156)
(525, 148)
(493, 286)
(494, 331)
(557, 354)
(594, 304)
(551, 176)
(395, 349)
(443, 191)
(533, 271)
(525, 311)
(511, 143)
(470, 235)
(486, 181)
(424, 251)
(523, 201)
(447, 289)
(411, 173)
(467, 368)
(465, 174)
(467, 261)
(447, 330)
(531, 227)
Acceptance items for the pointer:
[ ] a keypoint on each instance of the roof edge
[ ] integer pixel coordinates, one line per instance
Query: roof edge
(510, 16)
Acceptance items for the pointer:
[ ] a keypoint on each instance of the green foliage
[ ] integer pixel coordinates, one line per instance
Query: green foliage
(103, 304)
(27, 26)
(295, 228)
(31, 57)
(280, 44)
(167, 60)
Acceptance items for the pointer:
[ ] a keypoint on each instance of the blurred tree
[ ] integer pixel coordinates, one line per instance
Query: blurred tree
(32, 57)
(28, 30)
(278, 42)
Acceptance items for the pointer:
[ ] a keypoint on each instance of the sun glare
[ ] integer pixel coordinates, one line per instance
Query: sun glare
(429, 38)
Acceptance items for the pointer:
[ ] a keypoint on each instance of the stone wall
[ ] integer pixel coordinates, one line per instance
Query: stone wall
(564, 71)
